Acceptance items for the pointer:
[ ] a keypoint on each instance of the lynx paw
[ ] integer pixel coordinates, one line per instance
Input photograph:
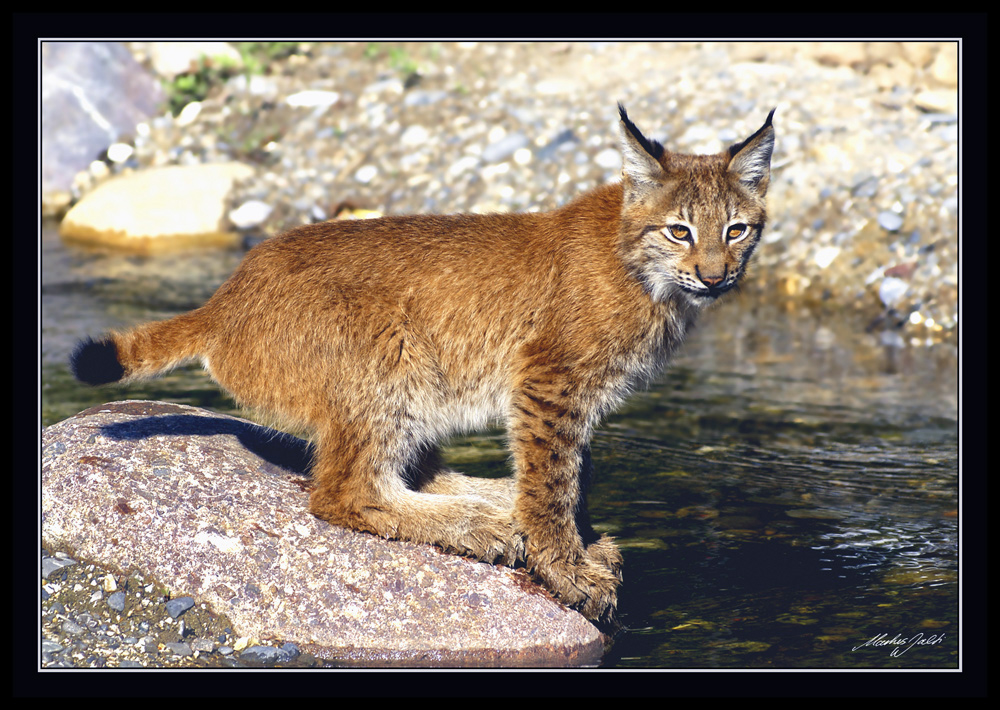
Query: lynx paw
(464, 525)
(604, 551)
(489, 538)
(588, 584)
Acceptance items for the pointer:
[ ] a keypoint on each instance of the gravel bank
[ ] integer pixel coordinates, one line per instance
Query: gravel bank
(93, 617)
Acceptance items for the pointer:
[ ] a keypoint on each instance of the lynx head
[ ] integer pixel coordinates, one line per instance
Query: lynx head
(690, 222)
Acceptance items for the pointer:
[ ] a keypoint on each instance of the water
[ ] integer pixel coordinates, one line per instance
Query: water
(785, 496)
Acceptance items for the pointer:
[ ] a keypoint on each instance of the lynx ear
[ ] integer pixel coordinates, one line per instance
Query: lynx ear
(641, 167)
(751, 159)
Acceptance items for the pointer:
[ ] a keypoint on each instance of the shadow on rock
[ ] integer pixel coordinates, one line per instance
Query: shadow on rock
(275, 447)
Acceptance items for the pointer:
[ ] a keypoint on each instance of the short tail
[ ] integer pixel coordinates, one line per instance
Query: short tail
(95, 362)
(145, 351)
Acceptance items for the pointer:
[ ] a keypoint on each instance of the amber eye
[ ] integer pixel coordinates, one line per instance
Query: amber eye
(679, 232)
(736, 231)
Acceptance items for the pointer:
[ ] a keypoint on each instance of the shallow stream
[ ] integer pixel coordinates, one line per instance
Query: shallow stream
(785, 496)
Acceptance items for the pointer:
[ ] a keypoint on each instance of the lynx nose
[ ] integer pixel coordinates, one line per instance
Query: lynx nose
(711, 280)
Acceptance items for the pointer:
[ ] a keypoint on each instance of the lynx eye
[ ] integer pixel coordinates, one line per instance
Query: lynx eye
(735, 232)
(678, 232)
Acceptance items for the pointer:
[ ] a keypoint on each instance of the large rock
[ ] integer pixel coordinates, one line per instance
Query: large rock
(215, 507)
(92, 93)
(158, 208)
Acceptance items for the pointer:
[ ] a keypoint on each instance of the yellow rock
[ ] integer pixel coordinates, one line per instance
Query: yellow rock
(158, 209)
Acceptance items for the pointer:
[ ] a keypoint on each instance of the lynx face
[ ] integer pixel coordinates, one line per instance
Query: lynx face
(691, 222)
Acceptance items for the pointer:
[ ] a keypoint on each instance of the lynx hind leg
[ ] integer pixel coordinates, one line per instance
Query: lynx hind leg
(432, 476)
(357, 488)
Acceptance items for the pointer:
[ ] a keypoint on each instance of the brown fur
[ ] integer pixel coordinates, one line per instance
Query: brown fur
(384, 336)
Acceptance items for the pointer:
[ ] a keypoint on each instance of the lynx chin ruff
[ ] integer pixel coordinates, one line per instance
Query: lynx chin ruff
(382, 337)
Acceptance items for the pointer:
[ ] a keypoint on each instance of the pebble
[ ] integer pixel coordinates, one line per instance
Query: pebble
(269, 655)
(890, 221)
(825, 256)
(313, 98)
(178, 649)
(424, 98)
(891, 290)
(188, 114)
(54, 564)
(117, 601)
(176, 607)
(251, 213)
(120, 152)
(414, 136)
(366, 174)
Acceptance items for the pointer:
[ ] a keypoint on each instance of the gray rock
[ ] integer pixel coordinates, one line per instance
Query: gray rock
(261, 655)
(178, 649)
(72, 628)
(53, 564)
(117, 601)
(890, 221)
(202, 645)
(230, 527)
(176, 607)
(92, 93)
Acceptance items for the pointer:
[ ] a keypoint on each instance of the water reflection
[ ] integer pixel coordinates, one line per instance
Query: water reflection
(764, 529)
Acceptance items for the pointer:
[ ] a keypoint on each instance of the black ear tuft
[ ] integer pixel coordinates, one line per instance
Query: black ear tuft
(95, 362)
(737, 147)
(750, 160)
(652, 147)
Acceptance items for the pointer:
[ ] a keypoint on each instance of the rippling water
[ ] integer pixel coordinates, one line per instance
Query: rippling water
(785, 496)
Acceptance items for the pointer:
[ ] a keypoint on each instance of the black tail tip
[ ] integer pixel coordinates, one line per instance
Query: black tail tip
(95, 362)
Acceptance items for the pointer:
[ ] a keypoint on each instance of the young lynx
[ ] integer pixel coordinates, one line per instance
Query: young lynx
(382, 337)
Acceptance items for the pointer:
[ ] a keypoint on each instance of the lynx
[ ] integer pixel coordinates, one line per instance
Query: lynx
(383, 337)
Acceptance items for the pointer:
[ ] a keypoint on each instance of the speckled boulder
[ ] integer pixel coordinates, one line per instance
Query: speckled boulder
(217, 508)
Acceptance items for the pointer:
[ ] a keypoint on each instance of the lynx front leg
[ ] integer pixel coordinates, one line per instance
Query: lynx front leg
(549, 439)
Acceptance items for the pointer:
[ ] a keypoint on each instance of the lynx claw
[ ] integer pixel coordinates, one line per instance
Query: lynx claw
(589, 585)
(506, 550)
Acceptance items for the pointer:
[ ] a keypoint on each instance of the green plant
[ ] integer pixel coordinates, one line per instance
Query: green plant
(195, 86)
(399, 58)
(213, 71)
(258, 55)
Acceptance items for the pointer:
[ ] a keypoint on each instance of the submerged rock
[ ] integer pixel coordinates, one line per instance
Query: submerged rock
(216, 508)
